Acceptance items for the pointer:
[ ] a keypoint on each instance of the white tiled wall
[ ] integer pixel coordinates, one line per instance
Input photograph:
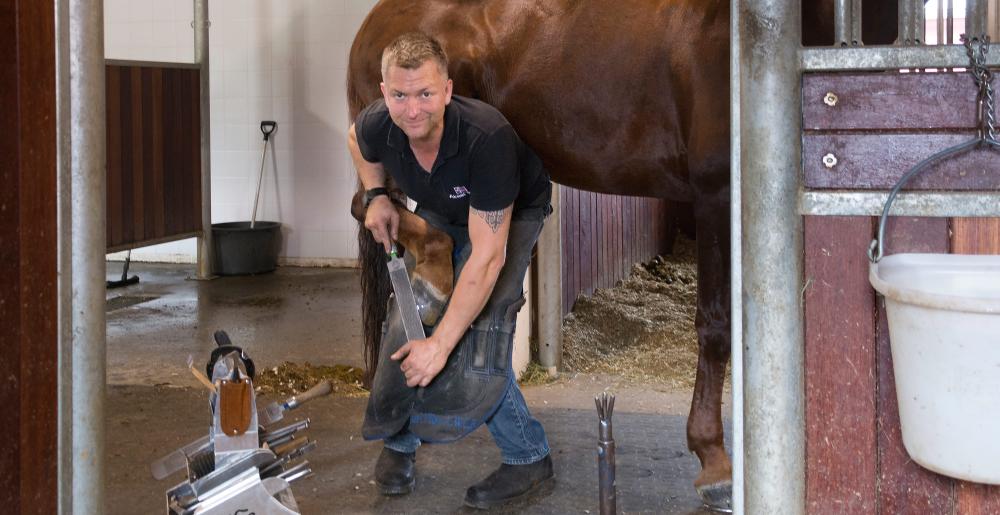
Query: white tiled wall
(282, 60)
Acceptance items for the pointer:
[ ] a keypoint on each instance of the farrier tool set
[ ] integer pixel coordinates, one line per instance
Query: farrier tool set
(244, 464)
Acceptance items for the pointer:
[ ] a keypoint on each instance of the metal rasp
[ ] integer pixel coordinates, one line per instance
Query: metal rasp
(405, 300)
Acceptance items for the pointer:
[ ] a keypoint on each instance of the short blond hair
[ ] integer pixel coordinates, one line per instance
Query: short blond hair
(411, 50)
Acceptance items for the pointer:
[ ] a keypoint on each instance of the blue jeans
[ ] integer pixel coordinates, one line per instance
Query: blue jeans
(519, 436)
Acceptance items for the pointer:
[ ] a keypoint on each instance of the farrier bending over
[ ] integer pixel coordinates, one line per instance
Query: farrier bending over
(473, 177)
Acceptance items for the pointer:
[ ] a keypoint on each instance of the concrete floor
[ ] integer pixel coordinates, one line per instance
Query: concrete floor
(154, 405)
(295, 314)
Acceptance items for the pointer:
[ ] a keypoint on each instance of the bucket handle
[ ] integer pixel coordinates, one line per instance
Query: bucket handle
(877, 245)
(985, 138)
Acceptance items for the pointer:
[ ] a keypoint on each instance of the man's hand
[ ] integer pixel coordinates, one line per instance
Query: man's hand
(424, 359)
(382, 220)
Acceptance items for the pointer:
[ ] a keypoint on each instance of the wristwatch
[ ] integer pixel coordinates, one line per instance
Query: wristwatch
(374, 192)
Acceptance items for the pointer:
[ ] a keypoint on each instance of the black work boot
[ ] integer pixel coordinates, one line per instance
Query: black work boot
(510, 483)
(394, 472)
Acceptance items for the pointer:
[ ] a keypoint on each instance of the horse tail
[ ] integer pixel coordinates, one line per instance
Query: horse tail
(375, 285)
(375, 289)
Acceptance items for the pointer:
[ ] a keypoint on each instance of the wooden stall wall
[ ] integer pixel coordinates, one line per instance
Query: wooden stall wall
(604, 235)
(28, 295)
(154, 155)
(881, 125)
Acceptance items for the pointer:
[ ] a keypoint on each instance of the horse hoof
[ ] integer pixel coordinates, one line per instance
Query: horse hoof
(717, 496)
(430, 302)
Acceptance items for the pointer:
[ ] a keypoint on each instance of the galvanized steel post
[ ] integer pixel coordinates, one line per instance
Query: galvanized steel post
(205, 249)
(842, 21)
(85, 236)
(773, 411)
(856, 12)
(994, 26)
(939, 36)
(736, 256)
(550, 289)
(64, 262)
(847, 22)
(975, 17)
(949, 23)
(911, 22)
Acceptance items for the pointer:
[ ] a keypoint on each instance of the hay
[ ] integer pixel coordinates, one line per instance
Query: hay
(293, 378)
(535, 375)
(643, 328)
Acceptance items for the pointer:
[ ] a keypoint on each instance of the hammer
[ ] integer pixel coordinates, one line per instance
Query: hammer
(276, 410)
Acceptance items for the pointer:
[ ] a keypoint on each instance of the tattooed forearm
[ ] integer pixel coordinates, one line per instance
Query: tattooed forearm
(493, 218)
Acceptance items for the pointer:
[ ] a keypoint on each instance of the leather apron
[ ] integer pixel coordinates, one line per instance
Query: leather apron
(478, 372)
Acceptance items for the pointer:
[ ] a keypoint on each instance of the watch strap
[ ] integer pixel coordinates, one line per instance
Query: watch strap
(374, 192)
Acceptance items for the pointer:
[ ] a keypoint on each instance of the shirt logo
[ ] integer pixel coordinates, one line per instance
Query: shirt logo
(460, 191)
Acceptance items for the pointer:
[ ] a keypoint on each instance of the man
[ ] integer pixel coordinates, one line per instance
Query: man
(471, 176)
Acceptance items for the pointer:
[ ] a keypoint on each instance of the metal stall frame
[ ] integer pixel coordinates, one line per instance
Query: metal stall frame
(769, 202)
(82, 222)
(770, 240)
(81, 229)
(549, 287)
(206, 257)
(736, 257)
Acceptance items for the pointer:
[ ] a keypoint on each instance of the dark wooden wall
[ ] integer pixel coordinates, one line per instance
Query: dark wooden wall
(28, 296)
(603, 235)
(881, 126)
(154, 155)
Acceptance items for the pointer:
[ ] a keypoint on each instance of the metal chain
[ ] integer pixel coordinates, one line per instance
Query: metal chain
(983, 77)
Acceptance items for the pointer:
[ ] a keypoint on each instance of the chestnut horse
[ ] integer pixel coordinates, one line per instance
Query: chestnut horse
(628, 97)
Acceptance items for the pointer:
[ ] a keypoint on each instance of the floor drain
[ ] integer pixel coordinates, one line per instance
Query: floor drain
(124, 301)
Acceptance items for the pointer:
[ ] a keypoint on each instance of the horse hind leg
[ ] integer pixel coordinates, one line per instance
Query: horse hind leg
(704, 428)
(432, 276)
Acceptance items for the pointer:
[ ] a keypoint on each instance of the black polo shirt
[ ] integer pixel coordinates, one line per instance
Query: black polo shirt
(481, 162)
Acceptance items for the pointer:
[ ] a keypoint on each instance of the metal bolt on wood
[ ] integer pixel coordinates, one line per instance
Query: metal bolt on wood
(606, 454)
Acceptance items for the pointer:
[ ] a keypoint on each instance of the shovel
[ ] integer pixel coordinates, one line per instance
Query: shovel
(266, 127)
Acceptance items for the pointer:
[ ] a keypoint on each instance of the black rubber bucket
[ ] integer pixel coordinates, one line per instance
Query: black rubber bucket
(240, 250)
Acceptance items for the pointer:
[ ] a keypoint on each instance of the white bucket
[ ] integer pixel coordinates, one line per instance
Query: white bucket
(944, 327)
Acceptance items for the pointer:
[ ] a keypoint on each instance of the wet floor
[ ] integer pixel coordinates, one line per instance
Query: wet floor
(295, 314)
(154, 404)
